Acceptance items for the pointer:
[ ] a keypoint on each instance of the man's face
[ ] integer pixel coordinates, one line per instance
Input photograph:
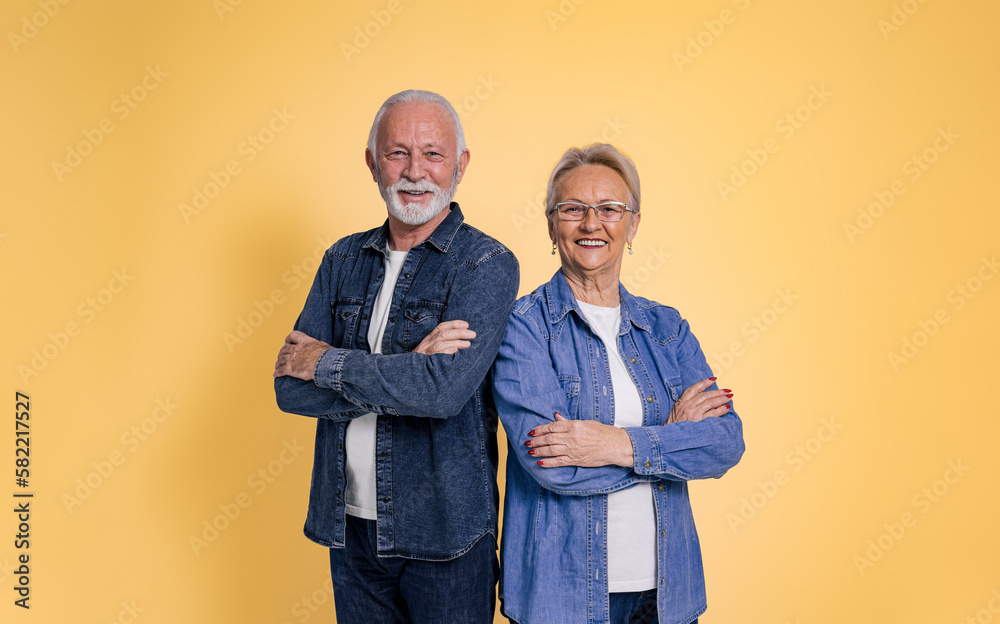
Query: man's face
(416, 164)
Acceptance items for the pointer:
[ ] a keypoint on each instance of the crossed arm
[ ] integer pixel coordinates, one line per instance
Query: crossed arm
(702, 437)
(313, 378)
(592, 444)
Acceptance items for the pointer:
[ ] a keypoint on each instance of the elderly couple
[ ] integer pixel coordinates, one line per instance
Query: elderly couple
(411, 344)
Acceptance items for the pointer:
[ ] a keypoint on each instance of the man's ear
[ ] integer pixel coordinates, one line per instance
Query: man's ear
(370, 161)
(463, 162)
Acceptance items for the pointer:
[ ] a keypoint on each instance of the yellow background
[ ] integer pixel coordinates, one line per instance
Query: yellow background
(686, 89)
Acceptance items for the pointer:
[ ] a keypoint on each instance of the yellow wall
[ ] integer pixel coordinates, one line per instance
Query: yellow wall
(800, 282)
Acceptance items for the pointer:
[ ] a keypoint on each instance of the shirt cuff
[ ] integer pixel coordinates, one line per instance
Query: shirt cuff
(645, 450)
(328, 368)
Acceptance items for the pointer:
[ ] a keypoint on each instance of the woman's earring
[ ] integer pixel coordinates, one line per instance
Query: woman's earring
(630, 248)
(553, 249)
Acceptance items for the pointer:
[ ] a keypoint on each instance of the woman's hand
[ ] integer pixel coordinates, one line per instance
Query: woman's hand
(580, 443)
(447, 337)
(697, 404)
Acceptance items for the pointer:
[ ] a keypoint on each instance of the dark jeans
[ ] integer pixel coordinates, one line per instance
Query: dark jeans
(395, 590)
(634, 607)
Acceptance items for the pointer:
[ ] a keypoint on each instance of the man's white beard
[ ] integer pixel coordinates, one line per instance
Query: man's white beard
(414, 213)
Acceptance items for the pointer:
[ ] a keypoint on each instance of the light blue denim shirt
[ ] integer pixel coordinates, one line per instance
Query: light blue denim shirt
(435, 440)
(554, 546)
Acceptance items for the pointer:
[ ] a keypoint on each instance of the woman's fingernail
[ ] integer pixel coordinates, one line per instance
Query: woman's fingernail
(532, 432)
(726, 390)
(528, 443)
(712, 378)
(729, 396)
(728, 406)
(531, 451)
(539, 462)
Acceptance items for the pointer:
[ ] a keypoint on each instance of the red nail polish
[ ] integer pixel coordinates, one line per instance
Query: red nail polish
(528, 443)
(531, 451)
(713, 378)
(729, 396)
(539, 462)
(726, 390)
(532, 432)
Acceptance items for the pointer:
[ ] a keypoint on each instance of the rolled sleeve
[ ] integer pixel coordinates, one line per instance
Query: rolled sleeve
(328, 368)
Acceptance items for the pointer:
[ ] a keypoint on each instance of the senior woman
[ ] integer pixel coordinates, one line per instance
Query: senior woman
(610, 409)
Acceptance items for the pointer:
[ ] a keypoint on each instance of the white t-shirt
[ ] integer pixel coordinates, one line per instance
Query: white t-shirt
(361, 492)
(631, 513)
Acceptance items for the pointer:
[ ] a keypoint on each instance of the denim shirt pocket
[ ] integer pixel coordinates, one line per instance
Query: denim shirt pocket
(674, 389)
(419, 319)
(346, 313)
(571, 386)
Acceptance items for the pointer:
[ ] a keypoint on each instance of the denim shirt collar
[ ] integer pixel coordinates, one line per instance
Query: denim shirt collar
(561, 301)
(441, 238)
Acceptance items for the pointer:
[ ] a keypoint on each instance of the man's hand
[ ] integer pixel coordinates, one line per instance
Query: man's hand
(697, 404)
(298, 356)
(447, 337)
(580, 443)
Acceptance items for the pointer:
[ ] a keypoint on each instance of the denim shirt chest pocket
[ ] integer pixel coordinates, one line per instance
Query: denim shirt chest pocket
(571, 386)
(419, 319)
(347, 318)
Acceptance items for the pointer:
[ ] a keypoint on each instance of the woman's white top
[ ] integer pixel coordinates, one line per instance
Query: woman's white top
(631, 530)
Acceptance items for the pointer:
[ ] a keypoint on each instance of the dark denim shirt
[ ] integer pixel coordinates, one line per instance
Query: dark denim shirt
(554, 549)
(435, 442)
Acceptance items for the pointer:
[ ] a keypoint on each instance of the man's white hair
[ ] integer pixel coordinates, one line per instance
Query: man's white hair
(415, 95)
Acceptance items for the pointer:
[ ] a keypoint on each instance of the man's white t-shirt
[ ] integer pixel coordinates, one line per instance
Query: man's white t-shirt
(631, 514)
(360, 443)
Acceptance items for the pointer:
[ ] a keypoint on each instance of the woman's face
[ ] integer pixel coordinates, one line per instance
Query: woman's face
(591, 246)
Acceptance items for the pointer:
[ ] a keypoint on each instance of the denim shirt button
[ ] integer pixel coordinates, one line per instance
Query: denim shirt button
(649, 398)
(663, 533)
(406, 275)
(633, 360)
(647, 464)
(660, 487)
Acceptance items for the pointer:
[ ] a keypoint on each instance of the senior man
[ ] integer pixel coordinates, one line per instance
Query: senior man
(391, 354)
